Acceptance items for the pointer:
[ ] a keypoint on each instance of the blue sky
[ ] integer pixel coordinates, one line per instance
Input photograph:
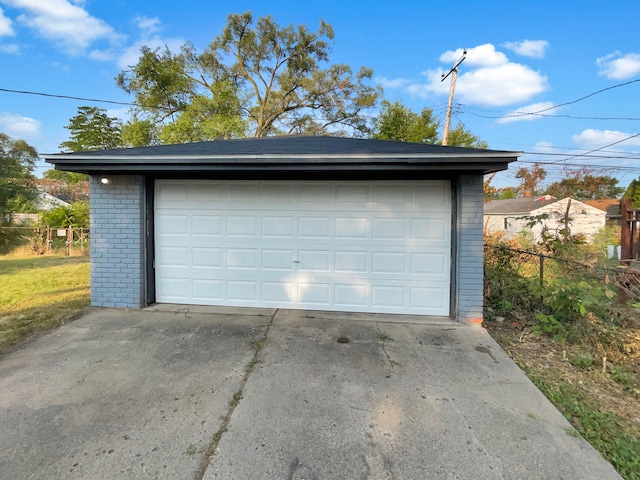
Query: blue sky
(522, 57)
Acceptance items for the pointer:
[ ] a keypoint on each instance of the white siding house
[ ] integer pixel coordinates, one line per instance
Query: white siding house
(521, 215)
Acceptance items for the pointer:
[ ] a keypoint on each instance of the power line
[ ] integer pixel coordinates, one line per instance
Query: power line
(598, 149)
(522, 114)
(587, 96)
(553, 107)
(583, 165)
(573, 117)
(69, 97)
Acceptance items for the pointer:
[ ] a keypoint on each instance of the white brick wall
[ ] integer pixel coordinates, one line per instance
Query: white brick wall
(117, 242)
(470, 249)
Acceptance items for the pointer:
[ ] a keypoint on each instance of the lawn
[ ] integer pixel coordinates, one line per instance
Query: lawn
(39, 293)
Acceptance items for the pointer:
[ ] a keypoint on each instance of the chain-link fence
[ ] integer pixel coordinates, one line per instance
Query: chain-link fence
(506, 263)
(44, 240)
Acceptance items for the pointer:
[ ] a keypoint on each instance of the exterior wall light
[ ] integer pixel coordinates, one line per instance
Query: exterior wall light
(104, 181)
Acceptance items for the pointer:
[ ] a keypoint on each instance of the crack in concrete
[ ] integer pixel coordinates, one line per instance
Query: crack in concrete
(235, 401)
(383, 338)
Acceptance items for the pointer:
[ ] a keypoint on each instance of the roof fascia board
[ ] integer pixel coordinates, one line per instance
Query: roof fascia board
(337, 156)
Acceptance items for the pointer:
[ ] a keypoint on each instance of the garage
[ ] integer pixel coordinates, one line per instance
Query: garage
(293, 221)
(348, 246)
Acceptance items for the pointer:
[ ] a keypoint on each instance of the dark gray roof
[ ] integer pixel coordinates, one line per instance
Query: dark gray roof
(516, 206)
(285, 153)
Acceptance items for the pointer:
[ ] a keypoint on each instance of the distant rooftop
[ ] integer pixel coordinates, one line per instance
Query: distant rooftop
(522, 205)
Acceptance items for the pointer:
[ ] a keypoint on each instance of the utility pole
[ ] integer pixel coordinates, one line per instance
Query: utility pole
(454, 74)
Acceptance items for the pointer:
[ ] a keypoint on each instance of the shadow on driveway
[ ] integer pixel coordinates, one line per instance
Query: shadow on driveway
(177, 392)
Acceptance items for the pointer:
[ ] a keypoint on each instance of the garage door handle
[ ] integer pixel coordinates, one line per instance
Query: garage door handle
(296, 261)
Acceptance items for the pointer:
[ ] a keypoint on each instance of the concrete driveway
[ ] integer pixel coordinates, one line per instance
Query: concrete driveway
(193, 393)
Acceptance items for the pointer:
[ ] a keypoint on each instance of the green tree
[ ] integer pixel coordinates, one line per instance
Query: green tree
(139, 132)
(460, 137)
(92, 129)
(585, 187)
(76, 216)
(398, 122)
(506, 193)
(17, 183)
(62, 176)
(633, 192)
(252, 80)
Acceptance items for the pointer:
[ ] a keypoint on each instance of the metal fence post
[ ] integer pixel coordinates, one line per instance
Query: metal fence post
(541, 270)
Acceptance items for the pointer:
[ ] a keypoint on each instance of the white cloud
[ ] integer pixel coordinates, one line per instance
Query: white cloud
(487, 77)
(5, 25)
(592, 138)
(18, 126)
(480, 56)
(65, 23)
(10, 48)
(523, 114)
(502, 85)
(528, 48)
(619, 67)
(130, 55)
(392, 83)
(148, 25)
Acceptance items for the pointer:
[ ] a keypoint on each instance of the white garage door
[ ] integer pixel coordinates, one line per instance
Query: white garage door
(349, 246)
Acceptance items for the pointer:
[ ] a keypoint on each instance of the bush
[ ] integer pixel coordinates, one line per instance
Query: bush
(76, 216)
(10, 238)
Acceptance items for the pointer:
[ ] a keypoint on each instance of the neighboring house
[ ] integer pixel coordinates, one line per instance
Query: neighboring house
(611, 207)
(301, 222)
(530, 215)
(46, 202)
(43, 203)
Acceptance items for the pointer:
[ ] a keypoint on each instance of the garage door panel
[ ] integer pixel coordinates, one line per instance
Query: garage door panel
(431, 298)
(356, 246)
(282, 227)
(388, 297)
(351, 261)
(279, 292)
(438, 195)
(277, 259)
(175, 289)
(391, 195)
(243, 226)
(352, 227)
(242, 258)
(243, 290)
(207, 225)
(314, 227)
(389, 228)
(431, 230)
(314, 260)
(316, 195)
(389, 263)
(351, 295)
(207, 257)
(430, 263)
(314, 294)
(208, 291)
(172, 224)
(173, 256)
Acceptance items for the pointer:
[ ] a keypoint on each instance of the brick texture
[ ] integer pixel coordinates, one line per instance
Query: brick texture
(470, 249)
(117, 242)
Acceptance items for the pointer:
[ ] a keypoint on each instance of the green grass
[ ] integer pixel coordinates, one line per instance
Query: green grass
(600, 429)
(39, 293)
